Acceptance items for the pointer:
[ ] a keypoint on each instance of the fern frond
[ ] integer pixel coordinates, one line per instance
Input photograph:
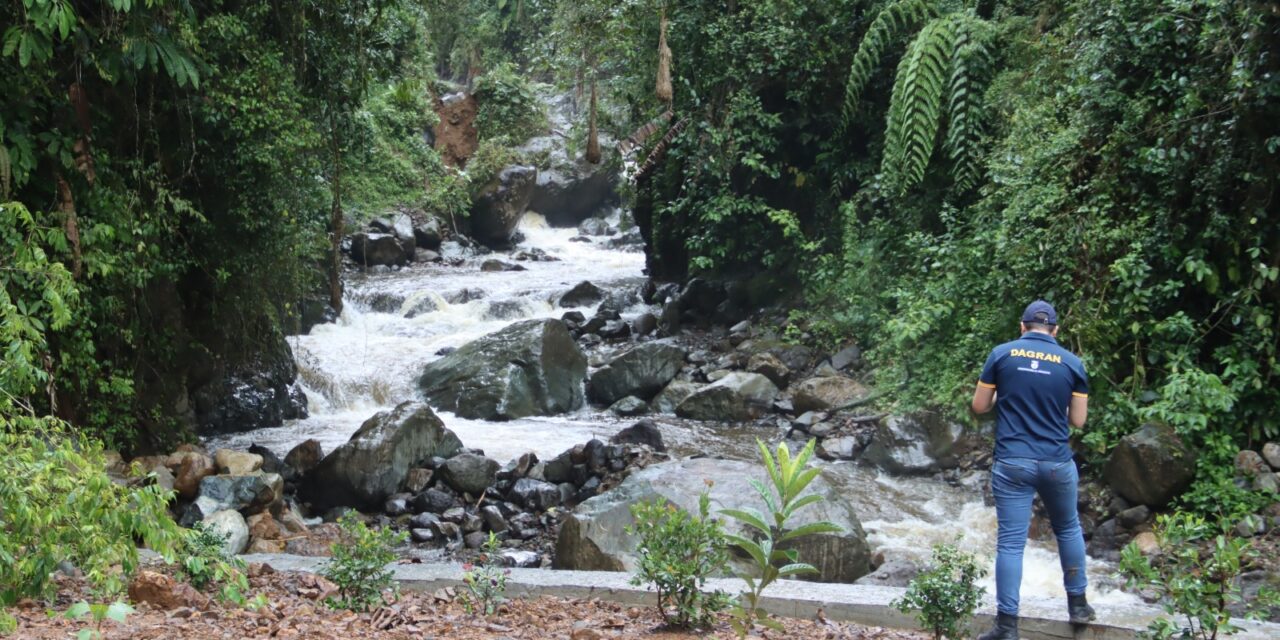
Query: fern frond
(970, 70)
(915, 110)
(896, 19)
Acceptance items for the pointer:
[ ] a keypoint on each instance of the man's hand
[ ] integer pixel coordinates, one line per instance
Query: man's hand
(984, 398)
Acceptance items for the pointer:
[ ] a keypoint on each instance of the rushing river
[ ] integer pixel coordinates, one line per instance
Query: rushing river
(369, 361)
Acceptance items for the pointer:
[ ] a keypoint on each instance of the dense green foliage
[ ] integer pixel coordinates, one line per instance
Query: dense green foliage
(678, 552)
(1119, 160)
(1196, 574)
(204, 562)
(945, 595)
(359, 564)
(765, 540)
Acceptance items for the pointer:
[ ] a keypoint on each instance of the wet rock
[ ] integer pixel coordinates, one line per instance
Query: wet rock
(421, 535)
(1271, 453)
(463, 296)
(535, 494)
(1147, 543)
(417, 480)
(737, 396)
(893, 573)
(641, 371)
(189, 468)
(232, 528)
(271, 463)
(470, 473)
(1250, 464)
(236, 463)
(615, 330)
(596, 227)
(521, 558)
(475, 539)
(425, 521)
(497, 210)
(644, 432)
(769, 366)
(529, 368)
(672, 395)
(374, 463)
(433, 501)
(304, 457)
(494, 264)
(1150, 466)
(842, 448)
(248, 493)
(629, 240)
(644, 324)
(1267, 482)
(629, 406)
(164, 593)
(593, 536)
(428, 234)
(583, 294)
(826, 393)
(398, 504)
(918, 444)
(374, 249)
(570, 191)
(1134, 516)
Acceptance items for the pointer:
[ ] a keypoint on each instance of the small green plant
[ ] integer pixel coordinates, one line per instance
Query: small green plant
(486, 582)
(99, 613)
(204, 562)
(359, 566)
(1195, 575)
(678, 552)
(788, 478)
(944, 596)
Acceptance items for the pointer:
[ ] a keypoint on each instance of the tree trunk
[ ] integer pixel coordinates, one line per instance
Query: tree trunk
(663, 86)
(593, 134)
(335, 220)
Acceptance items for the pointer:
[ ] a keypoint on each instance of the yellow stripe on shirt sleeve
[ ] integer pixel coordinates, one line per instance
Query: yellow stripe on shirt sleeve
(986, 384)
(1079, 395)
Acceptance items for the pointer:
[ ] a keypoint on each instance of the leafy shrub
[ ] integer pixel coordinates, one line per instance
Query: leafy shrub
(58, 504)
(359, 564)
(490, 158)
(788, 478)
(678, 552)
(99, 613)
(1195, 583)
(486, 582)
(507, 106)
(204, 562)
(944, 596)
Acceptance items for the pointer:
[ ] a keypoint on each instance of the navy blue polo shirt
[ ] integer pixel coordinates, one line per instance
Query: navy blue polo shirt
(1034, 379)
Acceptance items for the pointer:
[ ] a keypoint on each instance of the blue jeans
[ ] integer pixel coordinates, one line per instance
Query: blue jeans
(1015, 483)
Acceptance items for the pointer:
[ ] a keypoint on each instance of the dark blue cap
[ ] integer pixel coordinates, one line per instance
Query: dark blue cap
(1040, 312)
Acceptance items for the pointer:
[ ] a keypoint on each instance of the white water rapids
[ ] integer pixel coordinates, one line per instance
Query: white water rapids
(370, 361)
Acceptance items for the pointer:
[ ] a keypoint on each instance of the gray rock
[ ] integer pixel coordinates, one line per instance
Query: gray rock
(848, 357)
(374, 463)
(629, 406)
(229, 525)
(373, 249)
(737, 396)
(644, 324)
(304, 457)
(918, 444)
(521, 558)
(470, 473)
(593, 536)
(248, 493)
(475, 539)
(1250, 464)
(769, 366)
(493, 264)
(1271, 453)
(529, 368)
(596, 227)
(497, 210)
(571, 191)
(1134, 516)
(433, 501)
(1267, 482)
(493, 519)
(643, 432)
(824, 393)
(893, 573)
(535, 494)
(428, 234)
(641, 371)
(842, 448)
(583, 294)
(1150, 466)
(672, 395)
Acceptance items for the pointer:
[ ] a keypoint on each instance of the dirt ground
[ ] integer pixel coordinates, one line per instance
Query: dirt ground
(295, 611)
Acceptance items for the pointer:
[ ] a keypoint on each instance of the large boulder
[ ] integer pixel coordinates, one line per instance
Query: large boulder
(372, 249)
(232, 528)
(374, 463)
(672, 395)
(918, 444)
(497, 210)
(824, 393)
(583, 294)
(249, 493)
(594, 536)
(1151, 466)
(529, 368)
(736, 396)
(642, 372)
(569, 193)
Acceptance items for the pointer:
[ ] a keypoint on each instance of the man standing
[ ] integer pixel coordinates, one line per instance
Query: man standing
(1041, 387)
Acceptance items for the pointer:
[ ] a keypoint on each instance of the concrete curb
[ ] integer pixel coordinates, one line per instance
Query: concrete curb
(1041, 619)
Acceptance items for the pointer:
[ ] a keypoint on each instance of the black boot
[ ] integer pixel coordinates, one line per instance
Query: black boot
(1006, 628)
(1079, 610)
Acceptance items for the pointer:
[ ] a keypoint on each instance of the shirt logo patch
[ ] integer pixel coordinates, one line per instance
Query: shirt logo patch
(1035, 364)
